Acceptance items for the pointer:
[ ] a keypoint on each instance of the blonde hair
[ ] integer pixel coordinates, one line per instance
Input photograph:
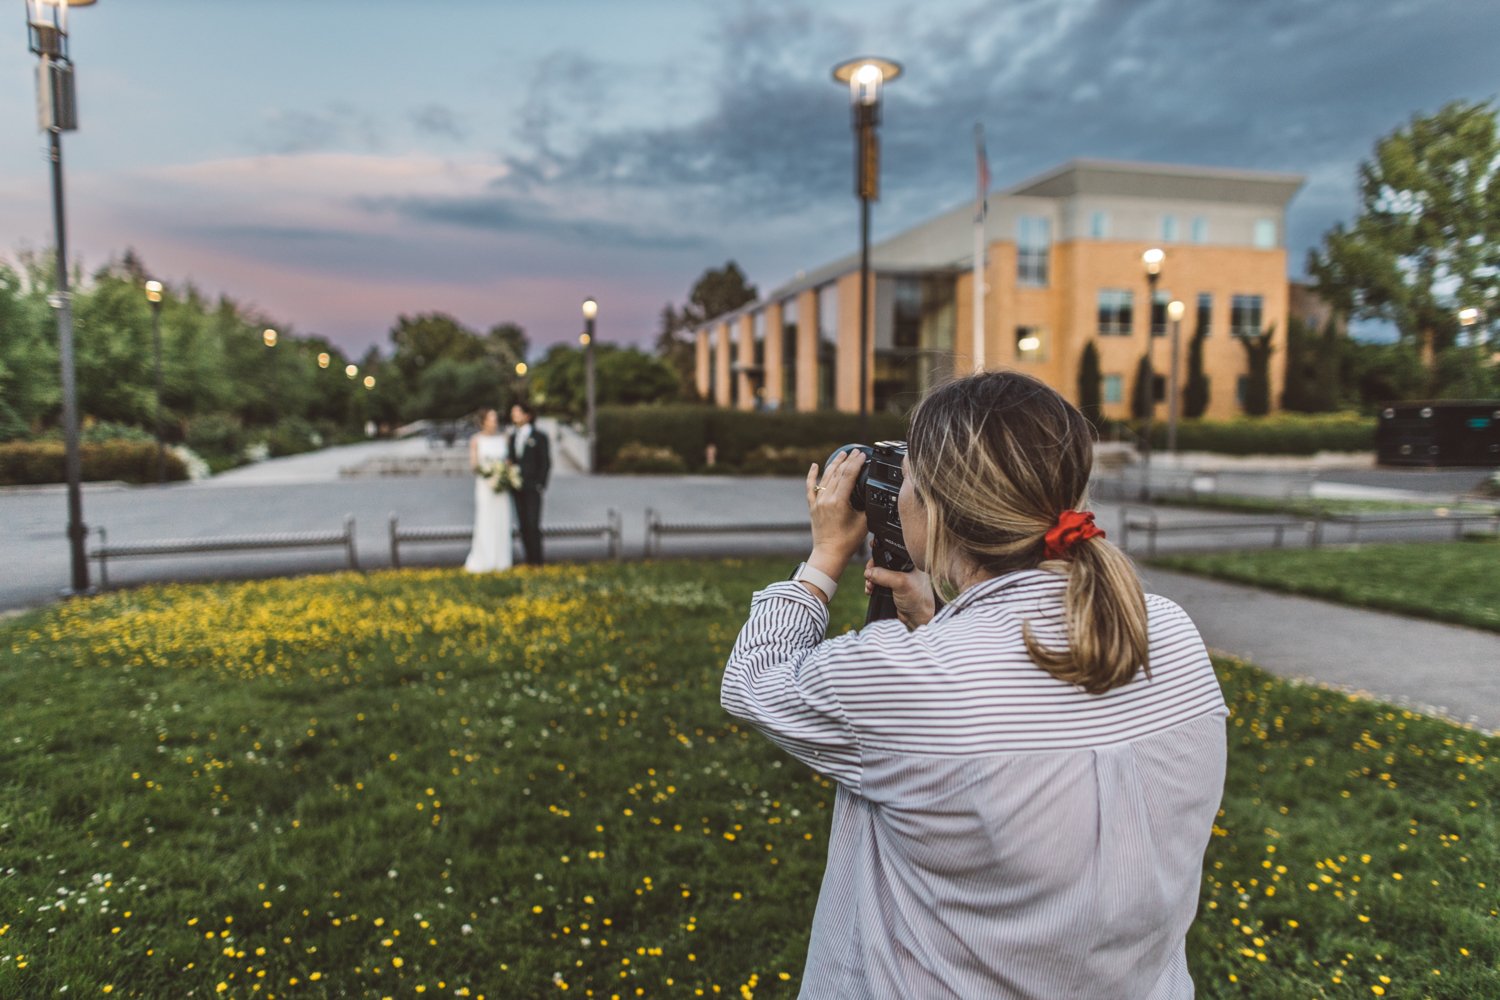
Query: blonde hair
(995, 458)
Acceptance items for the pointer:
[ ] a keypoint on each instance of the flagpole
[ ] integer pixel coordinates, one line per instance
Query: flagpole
(979, 293)
(981, 208)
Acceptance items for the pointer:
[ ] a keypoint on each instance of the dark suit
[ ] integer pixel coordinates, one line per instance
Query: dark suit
(535, 463)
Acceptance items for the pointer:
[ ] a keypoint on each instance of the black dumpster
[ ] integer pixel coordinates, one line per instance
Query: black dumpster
(1439, 433)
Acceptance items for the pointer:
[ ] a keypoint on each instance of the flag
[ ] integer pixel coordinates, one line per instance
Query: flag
(982, 199)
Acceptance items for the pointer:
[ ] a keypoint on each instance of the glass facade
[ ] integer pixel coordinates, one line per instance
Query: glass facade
(914, 330)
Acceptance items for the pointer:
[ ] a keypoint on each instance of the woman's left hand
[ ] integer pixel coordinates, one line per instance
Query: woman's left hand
(838, 529)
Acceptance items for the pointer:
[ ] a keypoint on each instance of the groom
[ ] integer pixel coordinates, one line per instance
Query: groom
(529, 450)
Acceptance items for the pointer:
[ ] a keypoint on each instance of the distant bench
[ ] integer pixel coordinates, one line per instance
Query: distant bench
(105, 551)
(656, 528)
(608, 530)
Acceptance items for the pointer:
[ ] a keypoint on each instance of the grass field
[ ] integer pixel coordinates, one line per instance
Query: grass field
(425, 783)
(1455, 582)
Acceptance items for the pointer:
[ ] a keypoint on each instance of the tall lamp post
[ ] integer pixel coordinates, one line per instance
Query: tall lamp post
(57, 112)
(590, 310)
(1151, 261)
(865, 77)
(153, 295)
(1175, 309)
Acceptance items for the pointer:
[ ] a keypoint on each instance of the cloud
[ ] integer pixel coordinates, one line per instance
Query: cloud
(440, 121)
(519, 217)
(340, 126)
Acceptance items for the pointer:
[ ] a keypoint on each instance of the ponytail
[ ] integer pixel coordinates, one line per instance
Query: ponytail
(1105, 611)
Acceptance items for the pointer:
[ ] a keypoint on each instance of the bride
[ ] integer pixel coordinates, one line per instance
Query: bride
(492, 547)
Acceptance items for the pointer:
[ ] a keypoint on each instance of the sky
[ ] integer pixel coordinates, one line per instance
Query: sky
(337, 163)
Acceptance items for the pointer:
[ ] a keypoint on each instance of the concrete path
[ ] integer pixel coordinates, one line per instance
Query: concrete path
(1426, 666)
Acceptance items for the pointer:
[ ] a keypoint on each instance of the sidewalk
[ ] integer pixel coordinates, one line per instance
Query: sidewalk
(1429, 667)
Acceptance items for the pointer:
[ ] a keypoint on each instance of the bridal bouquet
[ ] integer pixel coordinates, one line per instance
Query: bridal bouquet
(503, 476)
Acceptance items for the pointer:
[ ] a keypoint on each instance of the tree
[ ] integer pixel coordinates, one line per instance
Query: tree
(677, 351)
(1195, 392)
(1143, 394)
(449, 389)
(422, 339)
(624, 376)
(1090, 400)
(1314, 368)
(1427, 238)
(505, 344)
(1257, 401)
(717, 292)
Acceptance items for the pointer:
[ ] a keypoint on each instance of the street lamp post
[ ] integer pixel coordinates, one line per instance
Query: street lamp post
(865, 77)
(153, 295)
(1151, 260)
(57, 112)
(1175, 309)
(590, 310)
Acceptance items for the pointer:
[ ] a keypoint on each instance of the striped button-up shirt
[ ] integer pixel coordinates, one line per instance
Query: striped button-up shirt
(997, 833)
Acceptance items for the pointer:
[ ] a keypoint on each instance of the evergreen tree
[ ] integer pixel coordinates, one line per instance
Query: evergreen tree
(1195, 392)
(1258, 387)
(1143, 395)
(1090, 399)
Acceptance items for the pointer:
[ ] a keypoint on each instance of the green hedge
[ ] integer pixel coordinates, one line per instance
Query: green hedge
(1283, 434)
(26, 463)
(688, 430)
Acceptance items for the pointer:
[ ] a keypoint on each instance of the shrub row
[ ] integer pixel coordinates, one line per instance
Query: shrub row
(26, 463)
(1283, 434)
(736, 434)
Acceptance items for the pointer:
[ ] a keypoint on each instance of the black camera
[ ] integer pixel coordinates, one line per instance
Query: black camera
(875, 493)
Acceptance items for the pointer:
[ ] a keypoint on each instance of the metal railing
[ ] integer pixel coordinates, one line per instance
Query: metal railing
(608, 530)
(1314, 528)
(104, 551)
(656, 528)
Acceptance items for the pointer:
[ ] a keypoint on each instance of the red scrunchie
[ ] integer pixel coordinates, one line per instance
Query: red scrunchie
(1073, 526)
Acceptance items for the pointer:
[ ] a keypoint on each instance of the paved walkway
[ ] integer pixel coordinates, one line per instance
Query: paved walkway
(1427, 666)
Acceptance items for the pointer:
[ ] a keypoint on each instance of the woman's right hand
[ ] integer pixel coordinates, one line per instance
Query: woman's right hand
(915, 601)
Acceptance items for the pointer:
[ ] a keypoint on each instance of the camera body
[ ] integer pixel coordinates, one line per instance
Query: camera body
(875, 494)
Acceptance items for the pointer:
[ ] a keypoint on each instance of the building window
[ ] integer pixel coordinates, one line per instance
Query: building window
(1265, 234)
(1169, 228)
(1033, 243)
(1245, 315)
(1115, 305)
(1205, 313)
(1031, 343)
(1159, 300)
(1099, 225)
(1200, 229)
(1114, 388)
(1241, 389)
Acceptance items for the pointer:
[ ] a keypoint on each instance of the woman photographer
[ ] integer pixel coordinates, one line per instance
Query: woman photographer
(1027, 779)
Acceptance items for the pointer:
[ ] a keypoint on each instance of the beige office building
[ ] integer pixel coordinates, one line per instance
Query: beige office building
(1062, 267)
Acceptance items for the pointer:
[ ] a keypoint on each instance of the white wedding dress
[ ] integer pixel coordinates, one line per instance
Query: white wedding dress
(492, 549)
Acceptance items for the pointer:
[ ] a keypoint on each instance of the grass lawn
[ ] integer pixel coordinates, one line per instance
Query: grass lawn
(1450, 581)
(518, 786)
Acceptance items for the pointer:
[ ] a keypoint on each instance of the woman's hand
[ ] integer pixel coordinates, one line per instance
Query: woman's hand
(915, 601)
(838, 529)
